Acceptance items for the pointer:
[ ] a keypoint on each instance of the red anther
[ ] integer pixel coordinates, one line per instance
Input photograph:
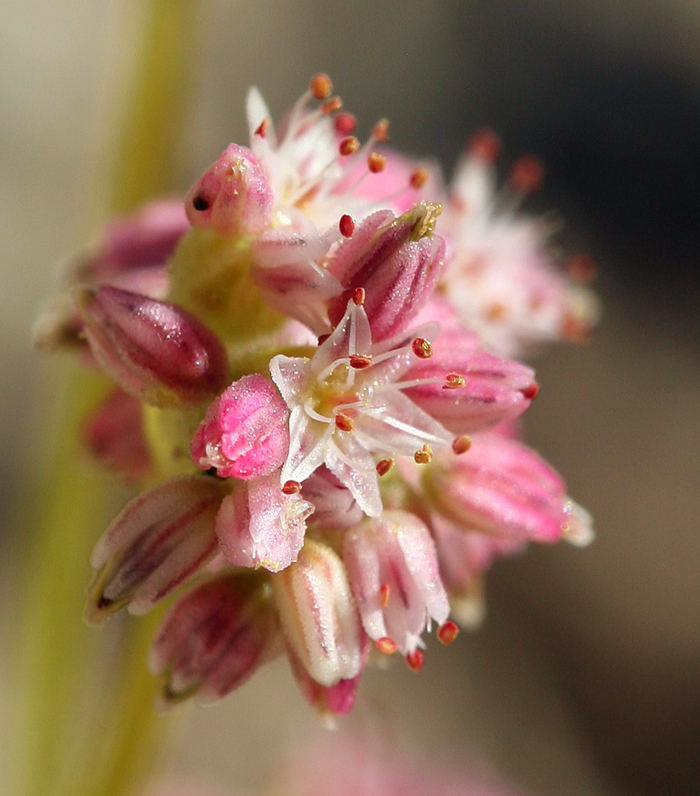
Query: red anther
(349, 145)
(384, 465)
(291, 487)
(331, 106)
(346, 225)
(422, 348)
(380, 132)
(531, 391)
(581, 268)
(345, 123)
(526, 174)
(344, 422)
(415, 660)
(576, 330)
(262, 128)
(321, 86)
(424, 455)
(448, 632)
(386, 645)
(384, 594)
(486, 145)
(419, 177)
(376, 162)
(461, 445)
(358, 296)
(453, 381)
(360, 361)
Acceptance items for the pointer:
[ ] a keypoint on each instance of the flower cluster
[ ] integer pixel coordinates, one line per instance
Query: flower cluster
(310, 369)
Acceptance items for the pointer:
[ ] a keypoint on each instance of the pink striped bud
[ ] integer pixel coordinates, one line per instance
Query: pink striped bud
(396, 260)
(233, 196)
(152, 349)
(154, 545)
(393, 570)
(259, 525)
(501, 487)
(245, 432)
(114, 435)
(467, 389)
(215, 637)
(318, 615)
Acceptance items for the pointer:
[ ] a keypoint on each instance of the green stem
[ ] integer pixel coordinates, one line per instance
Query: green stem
(85, 722)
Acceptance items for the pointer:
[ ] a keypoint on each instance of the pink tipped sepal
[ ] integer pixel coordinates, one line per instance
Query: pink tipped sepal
(154, 545)
(152, 349)
(214, 638)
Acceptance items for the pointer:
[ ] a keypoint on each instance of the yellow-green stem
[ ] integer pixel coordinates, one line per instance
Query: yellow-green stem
(74, 737)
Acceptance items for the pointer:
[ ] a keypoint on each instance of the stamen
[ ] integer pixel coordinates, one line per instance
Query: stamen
(321, 86)
(346, 225)
(291, 487)
(453, 381)
(376, 162)
(423, 456)
(422, 348)
(531, 391)
(461, 445)
(380, 131)
(386, 645)
(526, 174)
(415, 660)
(384, 594)
(419, 177)
(358, 296)
(345, 123)
(360, 361)
(384, 465)
(262, 128)
(486, 145)
(349, 145)
(344, 422)
(331, 106)
(497, 311)
(448, 632)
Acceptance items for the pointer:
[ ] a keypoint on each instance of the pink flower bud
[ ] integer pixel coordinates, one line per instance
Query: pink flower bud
(259, 525)
(233, 197)
(155, 544)
(396, 260)
(467, 389)
(144, 239)
(215, 637)
(318, 615)
(245, 432)
(393, 570)
(501, 487)
(152, 349)
(114, 435)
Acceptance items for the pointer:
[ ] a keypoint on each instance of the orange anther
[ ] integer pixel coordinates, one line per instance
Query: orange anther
(376, 162)
(531, 391)
(384, 594)
(419, 177)
(448, 632)
(526, 174)
(321, 86)
(360, 361)
(345, 123)
(453, 381)
(261, 129)
(384, 465)
(486, 145)
(291, 487)
(358, 296)
(331, 106)
(349, 145)
(424, 455)
(380, 132)
(386, 645)
(461, 445)
(422, 348)
(415, 660)
(344, 422)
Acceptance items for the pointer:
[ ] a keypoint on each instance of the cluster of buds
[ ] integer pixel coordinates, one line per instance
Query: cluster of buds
(330, 432)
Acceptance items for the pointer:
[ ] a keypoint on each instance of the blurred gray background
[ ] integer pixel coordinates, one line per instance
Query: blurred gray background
(585, 678)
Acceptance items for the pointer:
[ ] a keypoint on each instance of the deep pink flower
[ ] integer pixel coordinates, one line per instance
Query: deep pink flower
(245, 431)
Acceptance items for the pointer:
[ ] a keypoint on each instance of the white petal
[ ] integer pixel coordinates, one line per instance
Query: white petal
(354, 467)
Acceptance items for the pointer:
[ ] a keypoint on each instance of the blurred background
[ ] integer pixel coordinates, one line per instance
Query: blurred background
(585, 678)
